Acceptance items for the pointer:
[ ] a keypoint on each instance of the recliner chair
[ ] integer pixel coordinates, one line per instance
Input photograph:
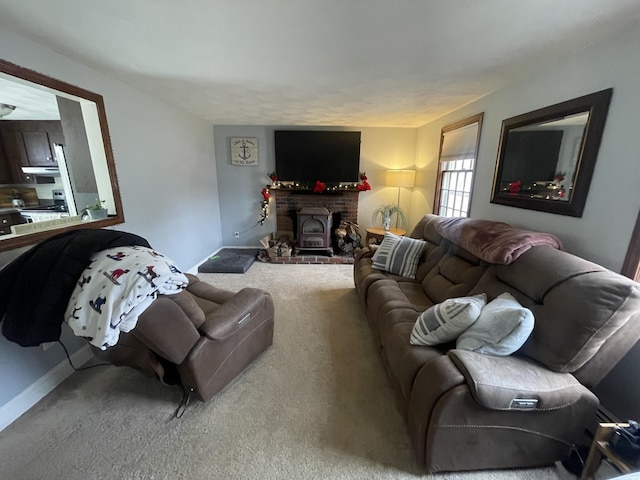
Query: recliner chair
(206, 335)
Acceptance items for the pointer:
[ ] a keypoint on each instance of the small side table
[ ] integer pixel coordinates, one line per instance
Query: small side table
(600, 448)
(377, 233)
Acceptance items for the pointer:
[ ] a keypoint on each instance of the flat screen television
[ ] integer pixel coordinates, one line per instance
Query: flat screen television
(304, 156)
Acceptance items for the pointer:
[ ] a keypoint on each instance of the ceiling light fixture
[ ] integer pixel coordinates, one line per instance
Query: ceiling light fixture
(6, 109)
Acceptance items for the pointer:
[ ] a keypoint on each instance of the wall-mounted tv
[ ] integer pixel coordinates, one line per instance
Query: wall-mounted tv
(304, 156)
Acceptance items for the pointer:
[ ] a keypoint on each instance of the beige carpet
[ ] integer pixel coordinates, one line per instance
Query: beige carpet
(317, 405)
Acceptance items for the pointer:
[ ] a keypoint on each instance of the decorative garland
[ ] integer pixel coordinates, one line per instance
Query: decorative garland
(264, 213)
(319, 187)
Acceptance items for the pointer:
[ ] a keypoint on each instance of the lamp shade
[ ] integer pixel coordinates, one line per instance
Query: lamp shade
(400, 178)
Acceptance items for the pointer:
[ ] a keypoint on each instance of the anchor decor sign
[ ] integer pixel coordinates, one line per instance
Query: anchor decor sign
(244, 151)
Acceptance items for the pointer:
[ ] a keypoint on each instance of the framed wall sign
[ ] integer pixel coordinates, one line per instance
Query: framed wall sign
(244, 150)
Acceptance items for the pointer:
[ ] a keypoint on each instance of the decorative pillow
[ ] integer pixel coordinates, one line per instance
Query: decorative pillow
(445, 321)
(502, 328)
(398, 255)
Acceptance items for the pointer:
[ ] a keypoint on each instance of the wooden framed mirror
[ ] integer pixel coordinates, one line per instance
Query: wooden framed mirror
(56, 159)
(546, 157)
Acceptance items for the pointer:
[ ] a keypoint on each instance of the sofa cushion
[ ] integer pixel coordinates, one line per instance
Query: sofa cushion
(189, 306)
(502, 328)
(405, 360)
(454, 275)
(390, 301)
(444, 321)
(516, 383)
(601, 303)
(398, 255)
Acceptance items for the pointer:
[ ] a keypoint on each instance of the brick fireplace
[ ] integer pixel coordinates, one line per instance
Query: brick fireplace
(288, 202)
(342, 203)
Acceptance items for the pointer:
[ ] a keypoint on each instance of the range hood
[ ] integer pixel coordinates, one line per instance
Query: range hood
(48, 171)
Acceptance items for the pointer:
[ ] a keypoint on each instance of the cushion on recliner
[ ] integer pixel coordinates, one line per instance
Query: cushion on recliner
(444, 321)
(190, 307)
(398, 255)
(502, 328)
(516, 383)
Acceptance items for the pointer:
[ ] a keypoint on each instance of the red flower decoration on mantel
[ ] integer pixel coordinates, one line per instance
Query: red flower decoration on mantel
(364, 186)
(265, 193)
(320, 187)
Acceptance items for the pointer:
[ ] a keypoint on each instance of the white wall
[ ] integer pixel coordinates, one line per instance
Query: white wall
(167, 175)
(239, 186)
(603, 233)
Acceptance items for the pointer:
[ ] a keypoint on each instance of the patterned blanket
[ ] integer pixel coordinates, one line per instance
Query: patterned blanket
(493, 242)
(116, 287)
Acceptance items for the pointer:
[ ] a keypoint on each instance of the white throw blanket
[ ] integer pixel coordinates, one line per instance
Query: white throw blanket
(114, 290)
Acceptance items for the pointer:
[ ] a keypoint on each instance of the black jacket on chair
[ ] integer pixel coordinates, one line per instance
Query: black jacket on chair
(35, 287)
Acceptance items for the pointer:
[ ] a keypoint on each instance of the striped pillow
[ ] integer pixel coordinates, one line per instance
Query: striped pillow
(398, 255)
(443, 322)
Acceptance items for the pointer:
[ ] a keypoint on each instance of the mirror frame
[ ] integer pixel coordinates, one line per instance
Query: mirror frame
(597, 105)
(46, 81)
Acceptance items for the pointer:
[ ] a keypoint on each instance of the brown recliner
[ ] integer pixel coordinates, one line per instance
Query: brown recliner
(206, 335)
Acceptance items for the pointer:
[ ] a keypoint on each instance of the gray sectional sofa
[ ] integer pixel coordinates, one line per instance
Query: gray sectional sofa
(467, 410)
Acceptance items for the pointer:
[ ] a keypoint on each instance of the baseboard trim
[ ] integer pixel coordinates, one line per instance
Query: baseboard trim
(194, 270)
(20, 404)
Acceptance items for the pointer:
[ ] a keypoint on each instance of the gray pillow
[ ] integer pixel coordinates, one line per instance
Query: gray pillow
(502, 328)
(398, 255)
(443, 322)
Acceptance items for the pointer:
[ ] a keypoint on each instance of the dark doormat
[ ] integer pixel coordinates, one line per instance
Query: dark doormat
(230, 260)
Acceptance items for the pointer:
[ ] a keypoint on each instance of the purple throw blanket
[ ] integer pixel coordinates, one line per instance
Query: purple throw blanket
(493, 242)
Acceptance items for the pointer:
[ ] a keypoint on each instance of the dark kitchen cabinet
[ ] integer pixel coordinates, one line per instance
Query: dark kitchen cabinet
(38, 149)
(12, 157)
(27, 143)
(9, 219)
(30, 142)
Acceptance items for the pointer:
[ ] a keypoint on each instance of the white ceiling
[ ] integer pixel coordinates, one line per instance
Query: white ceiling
(318, 62)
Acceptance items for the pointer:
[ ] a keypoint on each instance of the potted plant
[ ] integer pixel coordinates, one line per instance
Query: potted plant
(97, 210)
(382, 215)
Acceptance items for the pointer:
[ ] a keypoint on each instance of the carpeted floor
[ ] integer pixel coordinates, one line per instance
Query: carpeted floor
(317, 405)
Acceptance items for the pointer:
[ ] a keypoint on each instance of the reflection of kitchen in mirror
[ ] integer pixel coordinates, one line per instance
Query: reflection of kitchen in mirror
(543, 158)
(52, 159)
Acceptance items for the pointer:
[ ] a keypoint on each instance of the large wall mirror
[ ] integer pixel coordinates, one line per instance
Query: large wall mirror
(547, 157)
(56, 162)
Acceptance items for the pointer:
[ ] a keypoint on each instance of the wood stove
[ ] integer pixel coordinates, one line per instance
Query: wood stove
(314, 229)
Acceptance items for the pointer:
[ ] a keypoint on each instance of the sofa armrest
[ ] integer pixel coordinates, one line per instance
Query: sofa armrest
(166, 329)
(516, 383)
(366, 252)
(232, 314)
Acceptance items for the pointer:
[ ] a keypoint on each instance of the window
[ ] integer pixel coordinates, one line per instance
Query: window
(456, 167)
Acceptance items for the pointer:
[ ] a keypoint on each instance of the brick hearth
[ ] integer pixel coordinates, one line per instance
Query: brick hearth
(315, 259)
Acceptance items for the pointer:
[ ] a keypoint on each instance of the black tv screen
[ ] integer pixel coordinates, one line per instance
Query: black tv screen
(305, 156)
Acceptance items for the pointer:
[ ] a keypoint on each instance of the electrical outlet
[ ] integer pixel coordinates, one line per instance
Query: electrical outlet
(236, 234)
